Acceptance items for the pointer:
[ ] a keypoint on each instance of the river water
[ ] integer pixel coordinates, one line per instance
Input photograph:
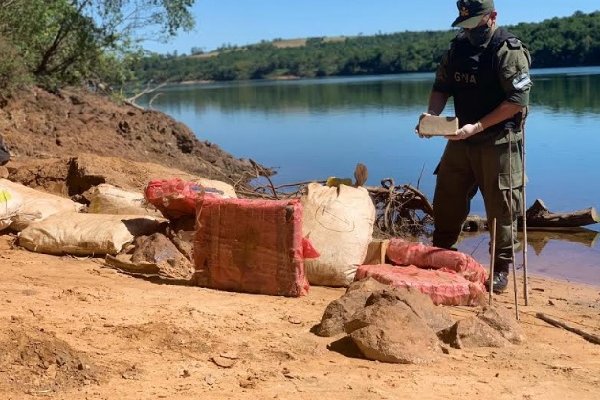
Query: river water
(316, 128)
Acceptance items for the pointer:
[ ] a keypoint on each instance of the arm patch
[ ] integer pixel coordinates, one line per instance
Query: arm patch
(521, 81)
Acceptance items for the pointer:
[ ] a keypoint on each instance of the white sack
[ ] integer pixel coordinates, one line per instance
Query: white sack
(10, 202)
(339, 224)
(37, 205)
(108, 199)
(86, 234)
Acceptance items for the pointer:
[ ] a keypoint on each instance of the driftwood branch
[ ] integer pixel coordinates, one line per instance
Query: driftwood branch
(587, 336)
(156, 96)
(132, 100)
(400, 210)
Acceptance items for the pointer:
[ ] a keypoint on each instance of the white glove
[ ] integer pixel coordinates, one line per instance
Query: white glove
(466, 131)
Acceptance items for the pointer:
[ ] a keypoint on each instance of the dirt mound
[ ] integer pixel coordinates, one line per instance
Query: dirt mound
(39, 124)
(160, 336)
(73, 176)
(37, 362)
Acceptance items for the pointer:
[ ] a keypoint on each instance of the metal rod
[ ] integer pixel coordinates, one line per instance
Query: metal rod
(492, 260)
(524, 216)
(512, 230)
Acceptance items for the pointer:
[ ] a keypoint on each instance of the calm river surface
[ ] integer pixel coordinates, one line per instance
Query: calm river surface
(312, 129)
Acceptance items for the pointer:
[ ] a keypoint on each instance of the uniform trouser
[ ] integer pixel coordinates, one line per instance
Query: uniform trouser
(463, 169)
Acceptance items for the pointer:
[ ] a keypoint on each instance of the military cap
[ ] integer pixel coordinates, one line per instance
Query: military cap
(471, 12)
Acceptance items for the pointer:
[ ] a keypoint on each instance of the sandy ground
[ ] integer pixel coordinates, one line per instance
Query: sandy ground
(74, 329)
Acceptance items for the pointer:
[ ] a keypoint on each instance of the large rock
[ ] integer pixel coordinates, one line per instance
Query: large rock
(369, 292)
(504, 322)
(158, 249)
(434, 316)
(339, 311)
(393, 334)
(472, 333)
(181, 232)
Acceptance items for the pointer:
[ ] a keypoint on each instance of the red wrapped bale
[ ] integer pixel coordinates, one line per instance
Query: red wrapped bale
(443, 286)
(252, 246)
(175, 197)
(401, 252)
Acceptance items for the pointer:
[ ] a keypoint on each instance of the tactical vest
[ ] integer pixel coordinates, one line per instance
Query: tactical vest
(475, 86)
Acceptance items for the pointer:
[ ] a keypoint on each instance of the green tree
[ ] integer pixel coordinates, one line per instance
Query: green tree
(66, 41)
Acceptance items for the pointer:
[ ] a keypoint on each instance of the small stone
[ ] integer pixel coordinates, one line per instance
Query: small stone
(185, 373)
(471, 333)
(223, 362)
(294, 320)
(248, 383)
(229, 355)
(503, 322)
(210, 380)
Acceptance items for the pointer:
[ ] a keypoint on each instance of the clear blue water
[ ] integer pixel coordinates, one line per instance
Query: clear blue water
(313, 129)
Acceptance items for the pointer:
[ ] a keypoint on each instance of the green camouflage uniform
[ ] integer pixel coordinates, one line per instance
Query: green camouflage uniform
(482, 161)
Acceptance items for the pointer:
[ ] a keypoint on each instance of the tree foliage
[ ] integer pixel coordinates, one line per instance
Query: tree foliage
(558, 42)
(68, 41)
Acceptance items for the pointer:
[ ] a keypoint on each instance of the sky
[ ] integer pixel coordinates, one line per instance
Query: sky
(240, 22)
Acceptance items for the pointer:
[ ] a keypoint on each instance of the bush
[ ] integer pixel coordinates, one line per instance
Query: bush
(13, 72)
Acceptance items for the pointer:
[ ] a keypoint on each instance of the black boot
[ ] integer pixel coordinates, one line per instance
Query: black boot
(500, 282)
(500, 279)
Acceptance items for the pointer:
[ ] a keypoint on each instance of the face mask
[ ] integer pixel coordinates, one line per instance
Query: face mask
(478, 36)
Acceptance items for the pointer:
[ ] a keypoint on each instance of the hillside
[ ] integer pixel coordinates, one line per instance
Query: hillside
(557, 42)
(37, 125)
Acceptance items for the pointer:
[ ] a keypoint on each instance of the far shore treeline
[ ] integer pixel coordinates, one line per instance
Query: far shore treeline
(557, 42)
(56, 43)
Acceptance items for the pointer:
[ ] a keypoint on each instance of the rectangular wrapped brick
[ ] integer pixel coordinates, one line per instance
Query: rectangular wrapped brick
(252, 246)
(432, 125)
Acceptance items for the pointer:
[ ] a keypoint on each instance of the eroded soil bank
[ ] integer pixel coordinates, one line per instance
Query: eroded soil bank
(38, 125)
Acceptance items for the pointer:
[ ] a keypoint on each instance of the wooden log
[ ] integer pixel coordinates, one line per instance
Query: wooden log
(587, 336)
(539, 216)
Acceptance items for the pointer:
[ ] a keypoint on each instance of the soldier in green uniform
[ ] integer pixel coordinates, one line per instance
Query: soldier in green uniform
(486, 71)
